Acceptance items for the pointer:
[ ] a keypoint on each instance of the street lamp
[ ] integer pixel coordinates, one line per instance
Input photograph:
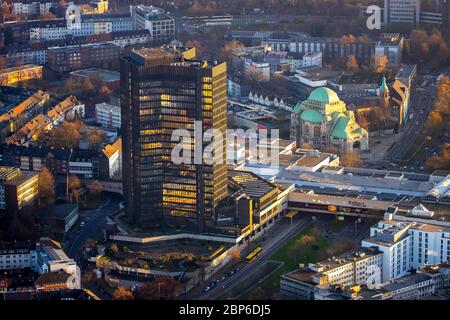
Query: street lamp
(67, 175)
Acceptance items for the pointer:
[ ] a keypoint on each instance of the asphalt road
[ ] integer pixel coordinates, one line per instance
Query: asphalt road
(270, 246)
(96, 218)
(421, 106)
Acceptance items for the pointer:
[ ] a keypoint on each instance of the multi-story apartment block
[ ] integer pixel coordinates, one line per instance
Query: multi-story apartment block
(164, 89)
(31, 130)
(34, 158)
(15, 118)
(360, 267)
(31, 7)
(27, 56)
(14, 75)
(42, 123)
(68, 109)
(41, 30)
(107, 115)
(64, 59)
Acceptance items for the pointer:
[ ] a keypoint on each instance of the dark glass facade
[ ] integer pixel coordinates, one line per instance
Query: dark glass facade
(161, 90)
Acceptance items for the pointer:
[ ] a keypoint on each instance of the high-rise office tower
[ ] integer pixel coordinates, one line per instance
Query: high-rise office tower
(164, 89)
(404, 11)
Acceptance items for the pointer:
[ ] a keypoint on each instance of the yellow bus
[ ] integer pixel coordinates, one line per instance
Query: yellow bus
(253, 254)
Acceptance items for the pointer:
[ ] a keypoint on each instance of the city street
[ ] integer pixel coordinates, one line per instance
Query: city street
(421, 106)
(95, 220)
(275, 239)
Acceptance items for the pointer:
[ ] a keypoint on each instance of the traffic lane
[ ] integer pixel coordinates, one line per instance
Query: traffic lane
(412, 130)
(84, 233)
(96, 218)
(268, 249)
(258, 262)
(406, 137)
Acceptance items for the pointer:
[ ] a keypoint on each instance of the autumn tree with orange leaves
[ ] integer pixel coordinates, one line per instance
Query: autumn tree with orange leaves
(123, 294)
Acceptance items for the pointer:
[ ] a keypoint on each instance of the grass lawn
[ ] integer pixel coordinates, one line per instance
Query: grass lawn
(298, 250)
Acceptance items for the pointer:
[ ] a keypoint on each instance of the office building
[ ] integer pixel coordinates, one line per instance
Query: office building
(331, 48)
(95, 164)
(160, 25)
(403, 11)
(17, 188)
(164, 89)
(69, 58)
(15, 75)
(14, 119)
(59, 218)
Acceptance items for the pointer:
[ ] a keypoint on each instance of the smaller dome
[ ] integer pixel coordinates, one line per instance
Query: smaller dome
(324, 95)
(311, 116)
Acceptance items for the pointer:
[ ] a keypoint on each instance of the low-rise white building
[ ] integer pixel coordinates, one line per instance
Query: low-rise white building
(269, 101)
(31, 7)
(45, 256)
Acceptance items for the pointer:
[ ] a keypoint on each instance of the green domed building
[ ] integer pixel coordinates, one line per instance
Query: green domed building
(323, 121)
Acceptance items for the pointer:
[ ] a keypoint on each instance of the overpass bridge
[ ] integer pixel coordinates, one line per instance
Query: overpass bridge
(338, 205)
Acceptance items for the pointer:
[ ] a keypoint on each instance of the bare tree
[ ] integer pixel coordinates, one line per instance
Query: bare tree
(95, 137)
(74, 188)
(67, 135)
(46, 187)
(351, 158)
(123, 294)
(235, 255)
(352, 63)
(97, 187)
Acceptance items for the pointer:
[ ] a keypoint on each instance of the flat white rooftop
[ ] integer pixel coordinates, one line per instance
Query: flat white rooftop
(356, 182)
